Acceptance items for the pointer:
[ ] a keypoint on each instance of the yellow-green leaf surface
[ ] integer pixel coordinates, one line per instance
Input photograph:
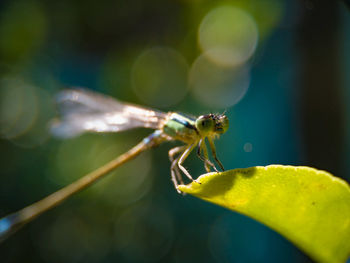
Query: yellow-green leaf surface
(309, 207)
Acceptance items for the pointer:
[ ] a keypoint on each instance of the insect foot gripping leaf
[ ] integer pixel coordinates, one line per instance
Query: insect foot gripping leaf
(309, 207)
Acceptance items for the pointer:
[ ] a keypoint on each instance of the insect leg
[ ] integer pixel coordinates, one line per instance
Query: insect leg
(205, 158)
(176, 175)
(174, 170)
(174, 151)
(213, 150)
(183, 158)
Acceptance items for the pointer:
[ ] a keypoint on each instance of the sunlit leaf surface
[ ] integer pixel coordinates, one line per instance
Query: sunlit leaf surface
(307, 206)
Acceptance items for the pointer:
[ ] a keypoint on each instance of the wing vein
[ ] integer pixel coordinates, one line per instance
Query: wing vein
(86, 111)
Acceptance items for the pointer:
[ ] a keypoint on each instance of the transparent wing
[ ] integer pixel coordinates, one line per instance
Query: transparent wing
(86, 111)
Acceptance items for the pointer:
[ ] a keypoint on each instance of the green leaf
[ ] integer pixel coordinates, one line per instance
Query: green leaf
(309, 207)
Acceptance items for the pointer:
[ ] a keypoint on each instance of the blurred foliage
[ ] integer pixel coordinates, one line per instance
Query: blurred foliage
(116, 46)
(23, 29)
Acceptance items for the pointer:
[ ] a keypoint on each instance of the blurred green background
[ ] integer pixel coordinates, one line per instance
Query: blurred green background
(280, 69)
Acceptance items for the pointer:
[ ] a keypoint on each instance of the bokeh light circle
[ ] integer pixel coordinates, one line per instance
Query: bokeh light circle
(248, 147)
(218, 86)
(228, 35)
(19, 107)
(125, 185)
(25, 110)
(159, 76)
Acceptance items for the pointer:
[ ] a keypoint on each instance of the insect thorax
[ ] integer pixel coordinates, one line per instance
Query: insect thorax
(181, 128)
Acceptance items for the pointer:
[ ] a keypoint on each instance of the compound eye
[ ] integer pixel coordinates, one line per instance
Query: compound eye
(205, 124)
(222, 124)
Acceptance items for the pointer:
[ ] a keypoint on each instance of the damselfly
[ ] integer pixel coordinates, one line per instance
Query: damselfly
(85, 111)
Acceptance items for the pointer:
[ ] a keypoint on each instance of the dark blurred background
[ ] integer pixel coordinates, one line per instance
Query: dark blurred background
(280, 69)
